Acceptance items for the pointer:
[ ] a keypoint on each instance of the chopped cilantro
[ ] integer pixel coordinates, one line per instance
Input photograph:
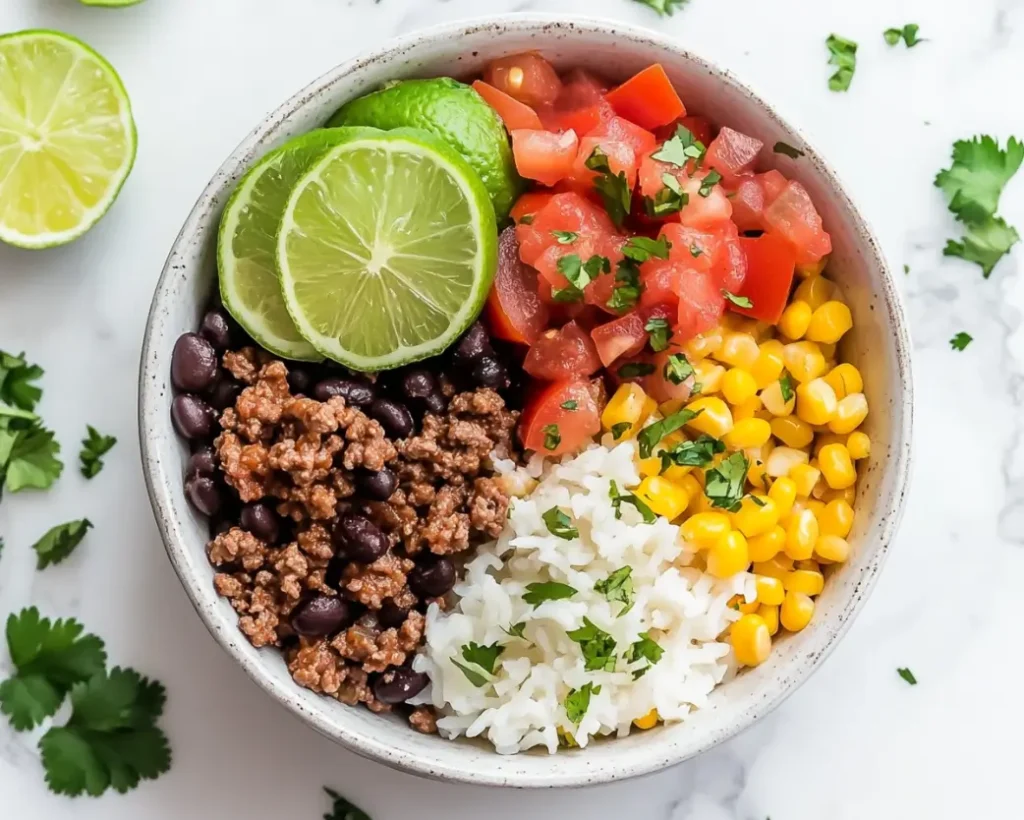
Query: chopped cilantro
(632, 370)
(598, 646)
(907, 33)
(541, 591)
(342, 809)
(517, 630)
(788, 150)
(552, 438)
(560, 525)
(94, 446)
(614, 188)
(695, 250)
(565, 237)
(844, 57)
(906, 270)
(619, 430)
(628, 286)
(961, 340)
(739, 301)
(786, 386)
(669, 200)
(578, 701)
(642, 248)
(678, 368)
(60, 541)
(908, 676)
(16, 381)
(526, 220)
(28, 452)
(709, 182)
(572, 404)
(645, 649)
(648, 438)
(682, 147)
(724, 484)
(580, 274)
(659, 331)
(483, 656)
(472, 675)
(618, 586)
(666, 8)
(618, 499)
(697, 453)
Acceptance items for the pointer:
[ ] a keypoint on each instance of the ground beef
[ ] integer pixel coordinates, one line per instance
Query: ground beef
(303, 457)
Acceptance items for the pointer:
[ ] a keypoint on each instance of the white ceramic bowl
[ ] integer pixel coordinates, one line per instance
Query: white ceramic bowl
(879, 345)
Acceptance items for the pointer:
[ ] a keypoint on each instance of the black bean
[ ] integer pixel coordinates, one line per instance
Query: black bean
(225, 390)
(436, 403)
(378, 484)
(432, 577)
(202, 462)
(418, 384)
(216, 329)
(261, 521)
(489, 372)
(192, 417)
(398, 685)
(203, 493)
(363, 541)
(391, 614)
(394, 417)
(193, 363)
(473, 344)
(355, 394)
(299, 380)
(320, 616)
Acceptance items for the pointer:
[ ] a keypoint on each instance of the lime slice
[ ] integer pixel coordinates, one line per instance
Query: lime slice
(247, 242)
(387, 249)
(455, 113)
(67, 138)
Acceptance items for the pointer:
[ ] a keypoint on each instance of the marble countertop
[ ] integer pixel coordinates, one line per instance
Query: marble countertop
(855, 741)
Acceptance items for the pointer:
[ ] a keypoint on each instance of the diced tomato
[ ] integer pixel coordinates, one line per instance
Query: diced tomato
(700, 127)
(513, 113)
(568, 212)
(729, 269)
(514, 310)
(661, 388)
(527, 77)
(647, 99)
(617, 129)
(566, 415)
(747, 203)
(529, 203)
(580, 107)
(651, 173)
(581, 88)
(774, 184)
(621, 159)
(543, 156)
(793, 216)
(562, 355)
(585, 246)
(701, 305)
(704, 211)
(732, 153)
(625, 336)
(771, 263)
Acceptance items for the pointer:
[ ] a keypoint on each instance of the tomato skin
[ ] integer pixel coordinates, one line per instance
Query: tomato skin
(529, 203)
(748, 203)
(514, 114)
(618, 129)
(701, 306)
(568, 212)
(543, 156)
(576, 428)
(793, 216)
(526, 77)
(626, 336)
(580, 107)
(647, 99)
(771, 264)
(566, 354)
(732, 153)
(621, 159)
(514, 311)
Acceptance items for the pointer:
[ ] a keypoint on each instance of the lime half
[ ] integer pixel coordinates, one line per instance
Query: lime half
(67, 138)
(247, 242)
(387, 249)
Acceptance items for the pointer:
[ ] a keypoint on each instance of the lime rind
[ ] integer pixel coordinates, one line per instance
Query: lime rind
(116, 180)
(369, 311)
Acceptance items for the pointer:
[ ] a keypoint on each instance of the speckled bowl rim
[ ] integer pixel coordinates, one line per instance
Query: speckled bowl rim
(664, 752)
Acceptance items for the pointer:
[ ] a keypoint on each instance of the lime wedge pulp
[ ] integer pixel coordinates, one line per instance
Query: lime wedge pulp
(247, 242)
(386, 250)
(67, 138)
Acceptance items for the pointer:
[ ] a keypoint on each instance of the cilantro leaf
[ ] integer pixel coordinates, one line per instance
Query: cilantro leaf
(472, 675)
(844, 56)
(60, 541)
(94, 446)
(786, 386)
(961, 340)
(627, 288)
(724, 484)
(31, 458)
(669, 200)
(16, 377)
(483, 656)
(618, 499)
(342, 809)
(541, 591)
(572, 404)
(645, 649)
(560, 525)
(642, 248)
(788, 150)
(565, 237)
(618, 586)
(739, 301)
(598, 646)
(516, 630)
(907, 33)
(659, 331)
(649, 437)
(619, 430)
(632, 370)
(697, 453)
(577, 702)
(980, 171)
(552, 438)
(614, 188)
(985, 243)
(678, 368)
(709, 182)
(907, 675)
(682, 147)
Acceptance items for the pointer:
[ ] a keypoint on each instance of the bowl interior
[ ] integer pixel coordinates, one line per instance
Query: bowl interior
(878, 346)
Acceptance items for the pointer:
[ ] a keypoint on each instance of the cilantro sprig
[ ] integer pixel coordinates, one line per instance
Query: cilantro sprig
(723, 484)
(28, 451)
(597, 646)
(577, 702)
(843, 55)
(960, 341)
(697, 453)
(648, 438)
(618, 586)
(559, 524)
(907, 33)
(60, 541)
(613, 188)
(94, 446)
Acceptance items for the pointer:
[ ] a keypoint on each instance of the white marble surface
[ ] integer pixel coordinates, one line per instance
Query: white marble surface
(856, 741)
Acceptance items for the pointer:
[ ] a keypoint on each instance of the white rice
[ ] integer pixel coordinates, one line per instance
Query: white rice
(684, 609)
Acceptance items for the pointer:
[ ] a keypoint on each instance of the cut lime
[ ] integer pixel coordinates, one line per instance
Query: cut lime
(455, 113)
(67, 138)
(247, 242)
(387, 249)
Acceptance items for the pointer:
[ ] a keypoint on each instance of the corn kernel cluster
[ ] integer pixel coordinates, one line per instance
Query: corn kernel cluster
(802, 440)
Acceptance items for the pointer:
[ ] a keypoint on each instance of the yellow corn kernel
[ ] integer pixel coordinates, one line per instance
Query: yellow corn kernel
(627, 406)
(770, 590)
(859, 445)
(748, 433)
(783, 493)
(804, 361)
(845, 379)
(771, 398)
(768, 365)
(815, 292)
(708, 375)
(746, 410)
(847, 494)
(770, 614)
(689, 484)
(801, 535)
(776, 567)
(832, 548)
(648, 721)
(753, 518)
(703, 345)
(766, 546)
(815, 506)
(795, 319)
(704, 528)
(783, 459)
(809, 565)
(663, 496)
(738, 350)
(850, 414)
(829, 323)
(836, 518)
(816, 402)
(837, 466)
(751, 641)
(804, 477)
(728, 555)
(809, 582)
(740, 605)
(825, 438)
(755, 474)
(796, 611)
(650, 466)
(793, 432)
(738, 386)
(715, 420)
